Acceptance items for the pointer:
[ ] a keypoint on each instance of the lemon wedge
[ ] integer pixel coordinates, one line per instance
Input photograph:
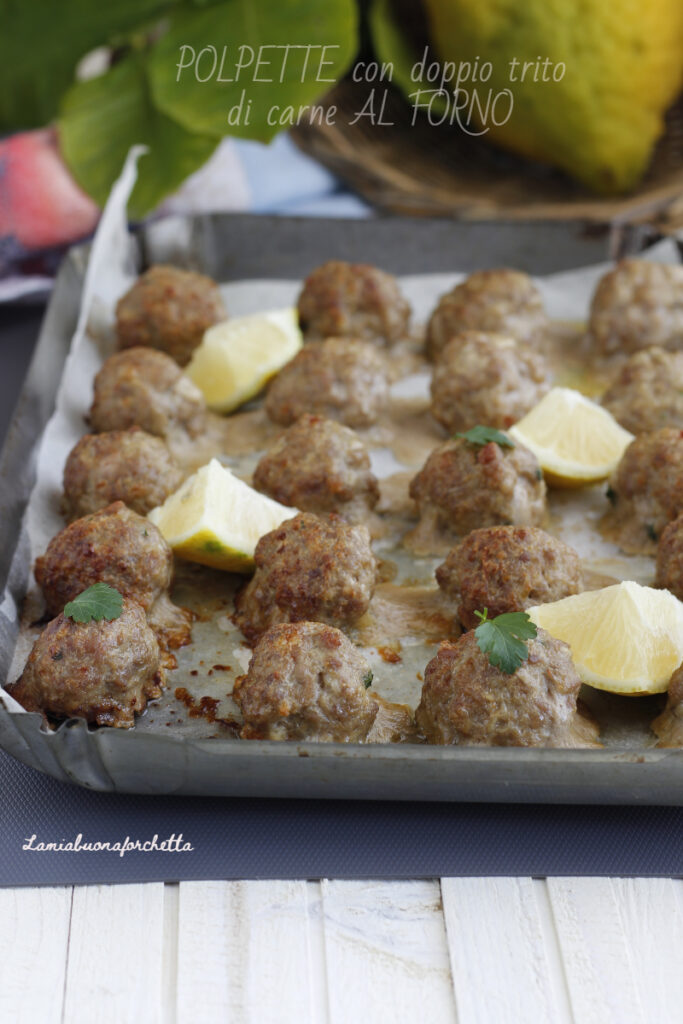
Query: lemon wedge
(575, 440)
(625, 639)
(237, 357)
(216, 519)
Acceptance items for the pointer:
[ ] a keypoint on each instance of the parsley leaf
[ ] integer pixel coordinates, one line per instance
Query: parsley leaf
(97, 602)
(367, 680)
(484, 435)
(503, 639)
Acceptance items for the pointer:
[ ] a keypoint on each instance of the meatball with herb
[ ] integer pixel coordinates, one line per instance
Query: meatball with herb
(486, 378)
(144, 388)
(168, 309)
(668, 727)
(103, 671)
(318, 465)
(500, 301)
(342, 379)
(468, 701)
(309, 568)
(121, 548)
(646, 490)
(306, 681)
(636, 305)
(648, 391)
(508, 569)
(352, 300)
(119, 465)
(465, 484)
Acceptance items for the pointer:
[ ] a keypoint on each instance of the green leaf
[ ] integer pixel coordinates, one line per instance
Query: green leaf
(503, 639)
(394, 44)
(97, 602)
(41, 42)
(204, 106)
(102, 118)
(367, 680)
(484, 435)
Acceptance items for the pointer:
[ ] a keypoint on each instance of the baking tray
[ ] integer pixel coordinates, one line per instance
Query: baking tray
(233, 247)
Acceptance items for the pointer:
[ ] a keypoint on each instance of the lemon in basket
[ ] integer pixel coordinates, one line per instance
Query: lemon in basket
(216, 519)
(625, 639)
(238, 357)
(575, 440)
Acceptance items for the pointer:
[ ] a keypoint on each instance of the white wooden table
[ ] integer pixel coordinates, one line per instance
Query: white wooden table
(471, 951)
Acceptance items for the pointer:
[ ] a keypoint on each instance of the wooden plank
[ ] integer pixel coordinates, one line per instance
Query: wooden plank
(114, 967)
(243, 952)
(651, 911)
(503, 968)
(386, 952)
(598, 957)
(34, 934)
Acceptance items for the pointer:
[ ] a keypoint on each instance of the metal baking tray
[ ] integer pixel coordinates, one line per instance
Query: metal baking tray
(234, 247)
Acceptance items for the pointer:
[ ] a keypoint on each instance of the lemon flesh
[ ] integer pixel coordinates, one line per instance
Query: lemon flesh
(625, 639)
(238, 357)
(216, 519)
(575, 440)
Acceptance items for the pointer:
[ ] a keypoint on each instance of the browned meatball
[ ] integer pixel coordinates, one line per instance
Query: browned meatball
(648, 391)
(308, 568)
(144, 388)
(468, 701)
(508, 569)
(119, 465)
(669, 573)
(637, 305)
(463, 486)
(342, 379)
(320, 466)
(306, 681)
(505, 301)
(352, 300)
(169, 309)
(646, 490)
(119, 547)
(102, 671)
(486, 378)
(668, 726)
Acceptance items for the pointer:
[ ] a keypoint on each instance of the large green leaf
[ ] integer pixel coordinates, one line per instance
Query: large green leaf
(205, 105)
(103, 117)
(393, 44)
(41, 41)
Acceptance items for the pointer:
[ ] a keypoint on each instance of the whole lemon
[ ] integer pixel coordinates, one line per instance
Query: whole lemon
(617, 65)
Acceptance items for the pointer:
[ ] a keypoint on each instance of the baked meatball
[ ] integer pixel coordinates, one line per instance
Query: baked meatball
(669, 572)
(102, 671)
(342, 379)
(646, 490)
(466, 700)
(318, 465)
(121, 548)
(169, 309)
(144, 388)
(352, 300)
(306, 681)
(648, 391)
(310, 568)
(463, 486)
(486, 378)
(119, 465)
(668, 726)
(508, 569)
(637, 305)
(501, 301)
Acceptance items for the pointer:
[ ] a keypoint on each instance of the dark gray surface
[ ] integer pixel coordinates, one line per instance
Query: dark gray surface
(19, 327)
(303, 838)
